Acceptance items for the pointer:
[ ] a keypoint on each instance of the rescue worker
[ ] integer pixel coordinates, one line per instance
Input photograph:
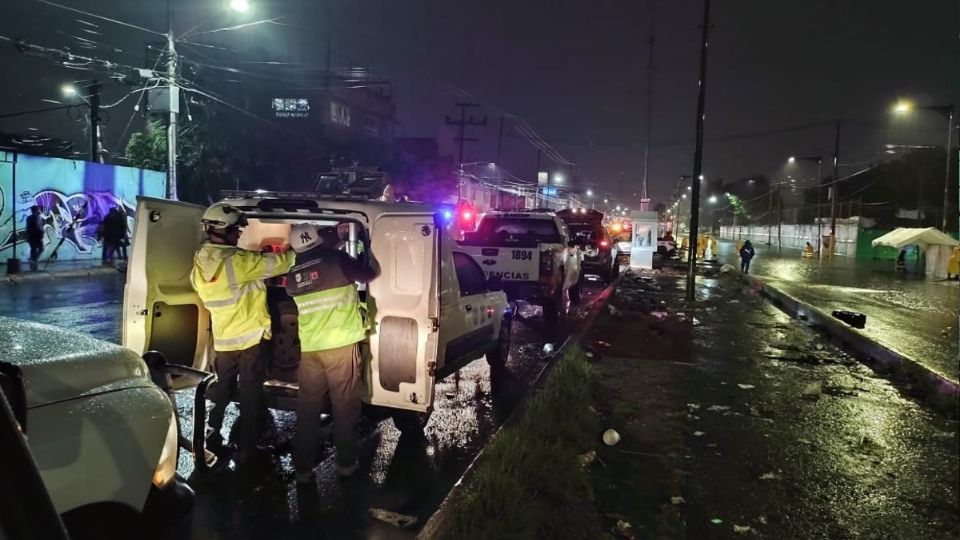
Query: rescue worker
(953, 267)
(323, 284)
(808, 250)
(714, 249)
(229, 281)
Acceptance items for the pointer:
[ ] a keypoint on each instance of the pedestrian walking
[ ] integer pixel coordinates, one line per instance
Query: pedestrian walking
(35, 236)
(229, 281)
(323, 284)
(746, 255)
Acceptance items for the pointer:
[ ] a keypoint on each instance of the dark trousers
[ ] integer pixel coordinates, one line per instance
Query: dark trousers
(249, 367)
(334, 373)
(109, 247)
(744, 265)
(36, 248)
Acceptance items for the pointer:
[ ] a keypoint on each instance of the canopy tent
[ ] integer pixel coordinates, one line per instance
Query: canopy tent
(936, 245)
(903, 236)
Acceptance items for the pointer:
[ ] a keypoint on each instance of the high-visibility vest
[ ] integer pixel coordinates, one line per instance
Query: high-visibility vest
(229, 281)
(330, 318)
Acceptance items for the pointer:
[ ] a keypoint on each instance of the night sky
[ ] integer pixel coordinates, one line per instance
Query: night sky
(575, 71)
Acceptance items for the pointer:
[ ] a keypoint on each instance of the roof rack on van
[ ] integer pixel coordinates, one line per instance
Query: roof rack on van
(311, 195)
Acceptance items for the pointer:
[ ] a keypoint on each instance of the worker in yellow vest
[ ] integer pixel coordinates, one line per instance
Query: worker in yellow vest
(953, 267)
(702, 246)
(323, 284)
(714, 249)
(807, 251)
(229, 281)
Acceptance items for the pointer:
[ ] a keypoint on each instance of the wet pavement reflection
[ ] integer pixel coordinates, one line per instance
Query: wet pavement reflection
(909, 313)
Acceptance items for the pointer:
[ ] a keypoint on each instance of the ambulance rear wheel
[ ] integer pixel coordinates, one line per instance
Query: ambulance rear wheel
(497, 356)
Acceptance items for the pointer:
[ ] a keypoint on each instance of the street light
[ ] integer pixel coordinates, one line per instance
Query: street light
(819, 162)
(589, 193)
(69, 90)
(904, 106)
(713, 199)
(791, 159)
(557, 178)
(240, 6)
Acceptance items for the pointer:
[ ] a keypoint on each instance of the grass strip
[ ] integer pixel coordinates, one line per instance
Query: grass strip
(530, 483)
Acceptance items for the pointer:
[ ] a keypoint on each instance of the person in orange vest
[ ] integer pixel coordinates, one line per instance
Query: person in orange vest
(808, 250)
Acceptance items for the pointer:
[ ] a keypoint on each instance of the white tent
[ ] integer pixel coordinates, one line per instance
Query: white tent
(937, 246)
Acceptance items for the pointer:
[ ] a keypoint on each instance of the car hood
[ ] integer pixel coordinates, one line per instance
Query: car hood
(57, 365)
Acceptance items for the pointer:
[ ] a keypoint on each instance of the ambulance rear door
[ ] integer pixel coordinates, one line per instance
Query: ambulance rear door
(404, 305)
(161, 311)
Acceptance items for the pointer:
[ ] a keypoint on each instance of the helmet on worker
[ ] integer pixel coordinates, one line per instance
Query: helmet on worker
(223, 223)
(306, 236)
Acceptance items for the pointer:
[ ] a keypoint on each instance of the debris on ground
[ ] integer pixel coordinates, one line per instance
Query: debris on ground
(768, 476)
(611, 437)
(693, 406)
(742, 529)
(548, 348)
(659, 314)
(698, 434)
(587, 458)
(397, 520)
(677, 500)
(726, 269)
(613, 311)
(716, 521)
(746, 386)
(812, 390)
(624, 529)
(718, 408)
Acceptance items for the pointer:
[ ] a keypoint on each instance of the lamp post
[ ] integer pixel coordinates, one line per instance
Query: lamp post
(239, 6)
(92, 101)
(905, 107)
(819, 162)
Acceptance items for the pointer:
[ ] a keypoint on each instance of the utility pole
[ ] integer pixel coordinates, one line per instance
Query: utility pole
(834, 189)
(174, 106)
(779, 219)
(94, 101)
(646, 152)
(497, 163)
(536, 193)
(462, 124)
(698, 158)
(770, 218)
(819, 204)
(946, 172)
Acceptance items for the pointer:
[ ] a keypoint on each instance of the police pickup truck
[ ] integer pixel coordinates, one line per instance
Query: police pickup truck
(529, 251)
(431, 310)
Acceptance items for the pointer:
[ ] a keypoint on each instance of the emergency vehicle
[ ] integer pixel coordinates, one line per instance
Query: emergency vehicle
(431, 311)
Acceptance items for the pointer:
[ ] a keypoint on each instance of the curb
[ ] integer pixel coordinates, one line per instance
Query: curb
(439, 521)
(59, 274)
(935, 388)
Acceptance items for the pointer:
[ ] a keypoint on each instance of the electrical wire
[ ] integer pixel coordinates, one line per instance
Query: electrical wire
(101, 17)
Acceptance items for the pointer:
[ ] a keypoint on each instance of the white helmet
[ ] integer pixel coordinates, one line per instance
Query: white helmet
(223, 215)
(304, 236)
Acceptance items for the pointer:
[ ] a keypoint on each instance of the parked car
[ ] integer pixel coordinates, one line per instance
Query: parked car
(600, 252)
(432, 309)
(530, 251)
(104, 437)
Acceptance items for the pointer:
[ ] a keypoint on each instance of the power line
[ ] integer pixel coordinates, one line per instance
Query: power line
(101, 17)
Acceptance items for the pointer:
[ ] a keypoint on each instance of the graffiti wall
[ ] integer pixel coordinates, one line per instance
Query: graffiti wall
(73, 196)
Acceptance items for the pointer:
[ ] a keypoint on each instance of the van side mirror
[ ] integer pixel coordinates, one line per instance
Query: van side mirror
(494, 283)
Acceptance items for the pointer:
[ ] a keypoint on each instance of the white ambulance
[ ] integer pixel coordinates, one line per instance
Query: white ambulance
(432, 309)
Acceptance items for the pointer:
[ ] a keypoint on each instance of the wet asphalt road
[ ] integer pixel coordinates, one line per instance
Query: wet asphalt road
(404, 474)
(739, 421)
(909, 313)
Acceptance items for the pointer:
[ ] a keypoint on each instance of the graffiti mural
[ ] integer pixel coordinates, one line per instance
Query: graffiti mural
(73, 197)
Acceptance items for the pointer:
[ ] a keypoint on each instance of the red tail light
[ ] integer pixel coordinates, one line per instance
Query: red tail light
(604, 244)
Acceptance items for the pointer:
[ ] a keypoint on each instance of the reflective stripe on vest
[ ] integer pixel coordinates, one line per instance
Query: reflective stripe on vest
(237, 306)
(330, 319)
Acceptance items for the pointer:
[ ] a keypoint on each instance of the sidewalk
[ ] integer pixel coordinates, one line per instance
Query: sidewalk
(912, 315)
(739, 421)
(58, 270)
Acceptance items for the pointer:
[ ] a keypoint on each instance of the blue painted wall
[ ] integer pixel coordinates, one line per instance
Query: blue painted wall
(68, 192)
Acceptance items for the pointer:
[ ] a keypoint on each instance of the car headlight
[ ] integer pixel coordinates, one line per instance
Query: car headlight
(167, 465)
